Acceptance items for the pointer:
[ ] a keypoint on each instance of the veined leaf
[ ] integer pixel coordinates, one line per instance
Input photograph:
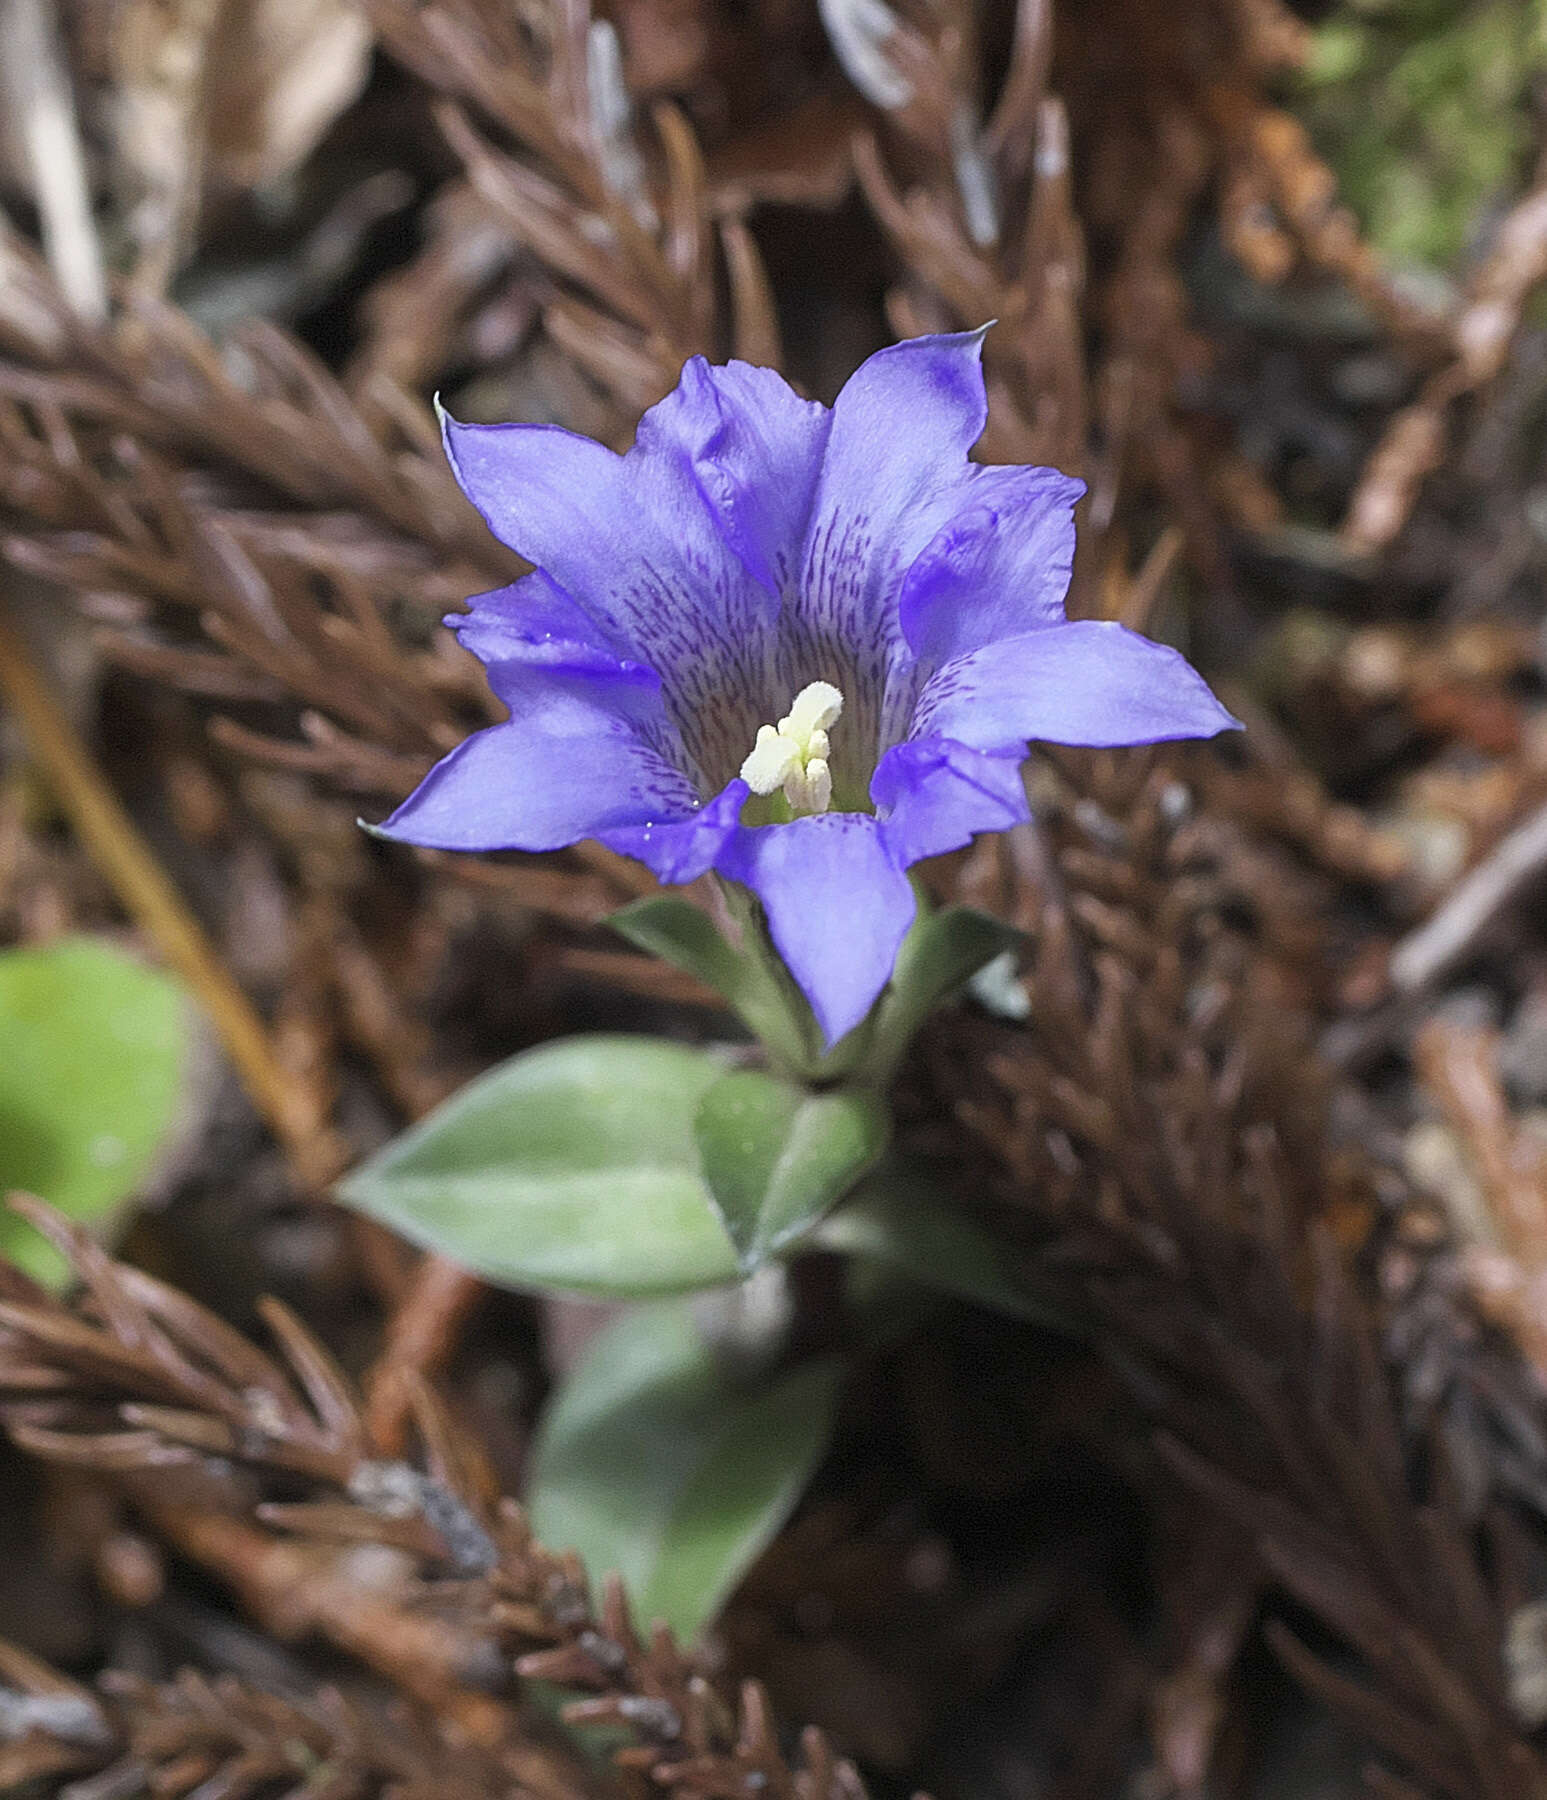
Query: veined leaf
(570, 1166)
(777, 1156)
(653, 1462)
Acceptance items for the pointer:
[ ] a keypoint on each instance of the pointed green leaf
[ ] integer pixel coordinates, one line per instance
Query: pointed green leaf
(672, 928)
(777, 1156)
(570, 1166)
(94, 1049)
(652, 1462)
(938, 954)
(898, 1217)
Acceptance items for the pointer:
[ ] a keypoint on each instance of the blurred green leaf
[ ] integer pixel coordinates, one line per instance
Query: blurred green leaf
(653, 1462)
(938, 954)
(93, 1050)
(570, 1166)
(777, 1156)
(676, 930)
(1423, 108)
(898, 1217)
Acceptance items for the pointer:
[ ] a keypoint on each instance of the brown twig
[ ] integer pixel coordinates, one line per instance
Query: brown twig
(1466, 913)
(420, 1340)
(140, 1738)
(1459, 1068)
(150, 898)
(134, 1376)
(1173, 1156)
(297, 1591)
(35, 90)
(1482, 333)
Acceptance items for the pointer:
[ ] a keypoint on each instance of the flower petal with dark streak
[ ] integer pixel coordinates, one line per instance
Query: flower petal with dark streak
(838, 907)
(635, 542)
(680, 850)
(570, 763)
(533, 621)
(750, 545)
(935, 794)
(755, 449)
(998, 566)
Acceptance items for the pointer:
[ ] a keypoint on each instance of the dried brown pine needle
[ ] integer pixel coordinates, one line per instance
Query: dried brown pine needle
(135, 1376)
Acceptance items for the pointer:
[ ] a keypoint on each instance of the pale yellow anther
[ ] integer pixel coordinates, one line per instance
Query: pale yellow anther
(793, 754)
(816, 708)
(818, 793)
(772, 761)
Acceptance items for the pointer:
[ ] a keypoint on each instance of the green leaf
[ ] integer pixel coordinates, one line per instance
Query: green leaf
(937, 955)
(777, 1156)
(570, 1166)
(898, 1217)
(672, 928)
(652, 1462)
(93, 1048)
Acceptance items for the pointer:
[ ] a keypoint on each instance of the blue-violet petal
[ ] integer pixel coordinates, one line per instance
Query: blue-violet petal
(935, 794)
(1091, 682)
(838, 908)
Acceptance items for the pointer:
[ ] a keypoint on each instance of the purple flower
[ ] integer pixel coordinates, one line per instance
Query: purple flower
(803, 647)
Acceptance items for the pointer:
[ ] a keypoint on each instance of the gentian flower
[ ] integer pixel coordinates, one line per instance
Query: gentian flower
(803, 647)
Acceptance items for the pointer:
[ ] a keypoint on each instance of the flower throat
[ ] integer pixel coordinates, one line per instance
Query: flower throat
(793, 755)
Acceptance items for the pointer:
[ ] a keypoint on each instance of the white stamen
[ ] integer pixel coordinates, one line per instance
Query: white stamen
(773, 760)
(793, 754)
(816, 708)
(819, 786)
